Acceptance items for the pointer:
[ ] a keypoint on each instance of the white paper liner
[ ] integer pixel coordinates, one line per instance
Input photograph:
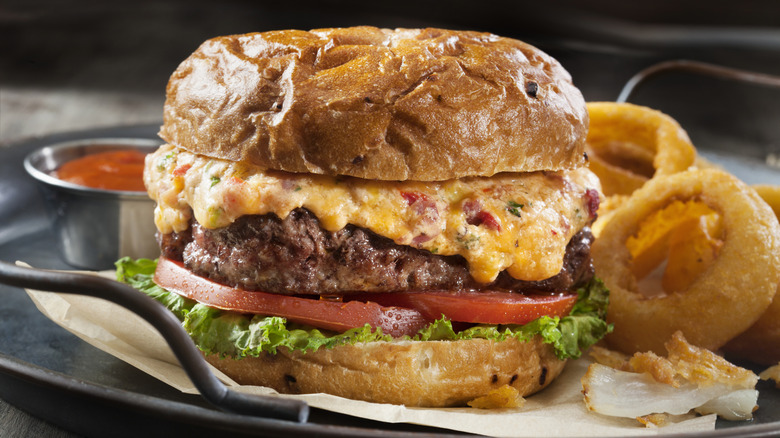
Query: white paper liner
(559, 410)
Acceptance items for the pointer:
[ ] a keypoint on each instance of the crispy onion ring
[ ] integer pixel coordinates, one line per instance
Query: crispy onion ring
(761, 342)
(726, 299)
(629, 144)
(607, 208)
(771, 195)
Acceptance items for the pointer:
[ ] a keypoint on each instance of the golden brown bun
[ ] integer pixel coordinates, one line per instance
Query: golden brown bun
(431, 373)
(406, 104)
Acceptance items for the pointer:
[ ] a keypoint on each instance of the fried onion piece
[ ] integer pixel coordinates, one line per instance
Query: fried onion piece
(726, 299)
(771, 373)
(688, 378)
(611, 358)
(654, 420)
(703, 367)
(503, 397)
(660, 368)
(648, 362)
(629, 144)
(761, 342)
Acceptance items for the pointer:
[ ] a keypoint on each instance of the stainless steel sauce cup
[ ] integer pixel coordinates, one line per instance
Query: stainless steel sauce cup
(95, 227)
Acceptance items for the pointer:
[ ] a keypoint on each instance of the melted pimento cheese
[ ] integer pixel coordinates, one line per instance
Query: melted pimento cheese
(521, 222)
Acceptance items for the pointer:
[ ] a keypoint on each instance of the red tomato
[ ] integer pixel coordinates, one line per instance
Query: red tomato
(397, 313)
(330, 315)
(482, 307)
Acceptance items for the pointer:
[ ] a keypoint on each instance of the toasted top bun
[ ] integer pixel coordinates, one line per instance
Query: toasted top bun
(405, 104)
(412, 373)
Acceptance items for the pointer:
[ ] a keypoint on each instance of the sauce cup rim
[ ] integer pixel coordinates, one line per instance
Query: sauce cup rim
(33, 161)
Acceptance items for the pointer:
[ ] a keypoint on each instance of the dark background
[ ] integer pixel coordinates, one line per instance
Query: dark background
(134, 46)
(142, 41)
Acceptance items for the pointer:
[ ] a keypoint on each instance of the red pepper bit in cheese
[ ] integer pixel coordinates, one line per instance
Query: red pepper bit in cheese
(592, 201)
(181, 170)
(475, 215)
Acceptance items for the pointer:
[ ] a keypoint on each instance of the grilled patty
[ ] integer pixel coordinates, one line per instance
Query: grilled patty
(297, 256)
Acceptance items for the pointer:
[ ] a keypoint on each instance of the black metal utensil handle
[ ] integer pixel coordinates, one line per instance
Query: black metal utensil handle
(695, 67)
(169, 327)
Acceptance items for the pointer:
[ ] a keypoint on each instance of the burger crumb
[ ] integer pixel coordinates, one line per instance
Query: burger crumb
(653, 420)
(500, 398)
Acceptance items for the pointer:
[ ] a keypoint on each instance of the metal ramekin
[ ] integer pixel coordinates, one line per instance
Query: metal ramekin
(95, 227)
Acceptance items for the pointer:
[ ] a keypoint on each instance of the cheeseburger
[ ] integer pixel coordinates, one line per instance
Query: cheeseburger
(397, 216)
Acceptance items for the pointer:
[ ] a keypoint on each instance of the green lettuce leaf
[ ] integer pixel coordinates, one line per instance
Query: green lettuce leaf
(239, 335)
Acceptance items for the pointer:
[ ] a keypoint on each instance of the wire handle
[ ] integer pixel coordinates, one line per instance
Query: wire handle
(695, 67)
(169, 327)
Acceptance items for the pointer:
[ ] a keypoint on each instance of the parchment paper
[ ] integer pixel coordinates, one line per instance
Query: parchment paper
(559, 410)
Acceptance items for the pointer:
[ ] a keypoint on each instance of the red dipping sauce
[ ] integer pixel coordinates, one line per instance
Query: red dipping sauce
(112, 170)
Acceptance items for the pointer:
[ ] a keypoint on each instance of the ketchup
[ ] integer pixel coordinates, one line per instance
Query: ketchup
(112, 170)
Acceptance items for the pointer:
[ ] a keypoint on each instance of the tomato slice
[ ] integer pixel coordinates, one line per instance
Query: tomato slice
(482, 307)
(330, 315)
(397, 313)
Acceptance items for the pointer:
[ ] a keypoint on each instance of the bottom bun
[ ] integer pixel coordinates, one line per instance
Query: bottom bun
(429, 373)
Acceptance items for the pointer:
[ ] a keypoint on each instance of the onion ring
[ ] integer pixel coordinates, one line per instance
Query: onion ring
(761, 342)
(770, 194)
(721, 303)
(629, 144)
(607, 208)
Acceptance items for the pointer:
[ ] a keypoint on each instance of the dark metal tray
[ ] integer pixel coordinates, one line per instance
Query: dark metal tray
(55, 376)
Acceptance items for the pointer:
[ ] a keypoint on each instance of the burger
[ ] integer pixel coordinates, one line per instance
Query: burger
(397, 216)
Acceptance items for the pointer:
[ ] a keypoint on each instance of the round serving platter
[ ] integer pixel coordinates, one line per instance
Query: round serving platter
(53, 375)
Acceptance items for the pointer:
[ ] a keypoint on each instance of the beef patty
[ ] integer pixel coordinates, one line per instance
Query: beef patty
(297, 256)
